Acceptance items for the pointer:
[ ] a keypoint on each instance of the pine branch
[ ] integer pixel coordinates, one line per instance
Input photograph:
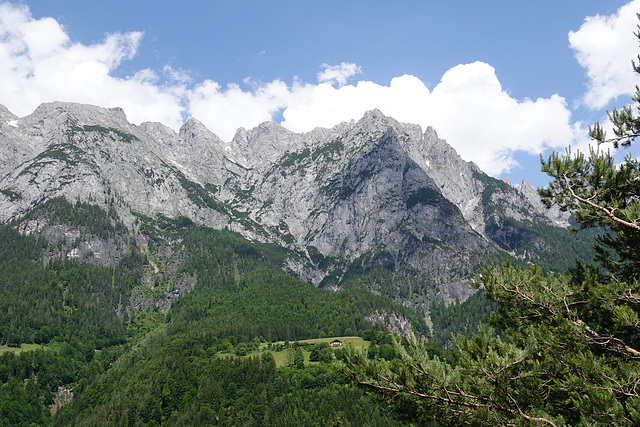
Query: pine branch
(454, 398)
(609, 212)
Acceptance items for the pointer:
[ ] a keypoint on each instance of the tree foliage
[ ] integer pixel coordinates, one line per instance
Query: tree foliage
(601, 194)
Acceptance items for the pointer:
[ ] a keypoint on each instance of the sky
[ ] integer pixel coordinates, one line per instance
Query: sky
(502, 81)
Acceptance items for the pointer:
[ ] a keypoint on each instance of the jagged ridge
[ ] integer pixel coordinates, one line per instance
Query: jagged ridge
(365, 194)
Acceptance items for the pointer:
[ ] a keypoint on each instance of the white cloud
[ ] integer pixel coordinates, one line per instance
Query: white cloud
(177, 75)
(469, 108)
(605, 46)
(338, 73)
(223, 111)
(38, 63)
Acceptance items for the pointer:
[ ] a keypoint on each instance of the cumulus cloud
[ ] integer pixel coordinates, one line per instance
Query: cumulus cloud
(39, 63)
(176, 74)
(338, 73)
(468, 107)
(604, 46)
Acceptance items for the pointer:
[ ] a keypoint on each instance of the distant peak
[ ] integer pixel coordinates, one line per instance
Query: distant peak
(377, 119)
(193, 129)
(262, 130)
(194, 126)
(526, 185)
(508, 181)
(87, 114)
(119, 112)
(270, 125)
(430, 133)
(241, 134)
(193, 122)
(376, 115)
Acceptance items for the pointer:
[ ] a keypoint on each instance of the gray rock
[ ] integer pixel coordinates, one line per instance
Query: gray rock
(367, 193)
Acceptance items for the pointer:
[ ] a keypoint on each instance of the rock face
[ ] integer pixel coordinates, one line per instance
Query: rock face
(374, 193)
(561, 219)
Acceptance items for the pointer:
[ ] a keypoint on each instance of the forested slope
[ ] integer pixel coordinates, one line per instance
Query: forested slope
(175, 366)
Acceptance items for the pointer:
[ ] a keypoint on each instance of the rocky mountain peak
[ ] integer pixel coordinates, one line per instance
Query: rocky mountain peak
(554, 213)
(193, 131)
(194, 135)
(262, 145)
(526, 186)
(375, 115)
(78, 114)
(430, 134)
(376, 121)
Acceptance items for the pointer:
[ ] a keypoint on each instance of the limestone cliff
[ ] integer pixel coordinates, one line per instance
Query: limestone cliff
(367, 194)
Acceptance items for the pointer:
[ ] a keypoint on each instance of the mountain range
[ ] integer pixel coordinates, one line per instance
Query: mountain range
(373, 203)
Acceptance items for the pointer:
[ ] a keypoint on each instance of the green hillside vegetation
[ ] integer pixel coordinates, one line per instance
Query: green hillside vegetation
(356, 342)
(65, 300)
(173, 367)
(181, 374)
(205, 359)
(459, 319)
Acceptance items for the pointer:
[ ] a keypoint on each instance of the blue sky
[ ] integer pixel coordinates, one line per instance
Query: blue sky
(502, 81)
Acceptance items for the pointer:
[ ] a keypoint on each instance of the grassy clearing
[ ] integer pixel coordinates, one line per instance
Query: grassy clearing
(24, 347)
(281, 356)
